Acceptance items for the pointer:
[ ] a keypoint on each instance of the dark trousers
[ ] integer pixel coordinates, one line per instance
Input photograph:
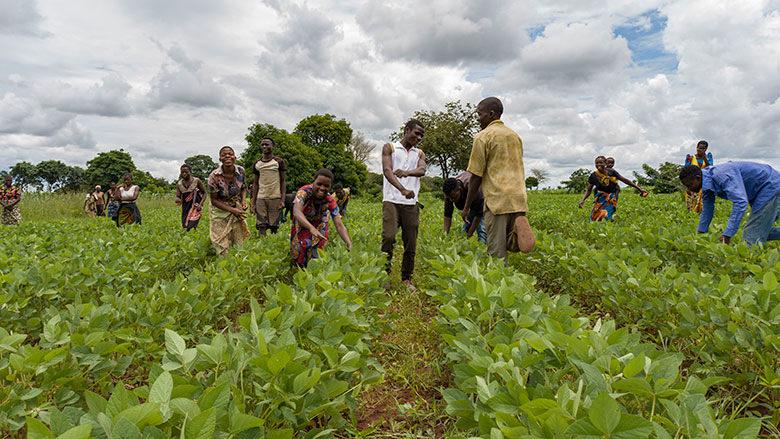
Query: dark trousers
(408, 218)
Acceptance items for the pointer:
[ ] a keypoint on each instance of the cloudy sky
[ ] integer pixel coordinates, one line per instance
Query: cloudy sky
(641, 80)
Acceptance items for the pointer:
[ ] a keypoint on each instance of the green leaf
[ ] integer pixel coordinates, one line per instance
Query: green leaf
(144, 414)
(240, 422)
(770, 281)
(202, 426)
(95, 403)
(306, 380)
(174, 344)
(604, 413)
(125, 429)
(582, 428)
(743, 428)
(631, 427)
(78, 432)
(277, 361)
(634, 366)
(284, 433)
(161, 388)
(634, 386)
(38, 430)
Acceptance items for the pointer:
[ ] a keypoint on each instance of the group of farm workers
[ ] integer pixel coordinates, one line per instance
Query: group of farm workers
(490, 194)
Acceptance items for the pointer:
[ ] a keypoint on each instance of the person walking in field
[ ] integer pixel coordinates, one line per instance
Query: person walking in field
(402, 165)
(10, 196)
(190, 194)
(127, 195)
(227, 214)
(455, 194)
(702, 159)
(605, 199)
(496, 167)
(312, 209)
(744, 184)
(268, 188)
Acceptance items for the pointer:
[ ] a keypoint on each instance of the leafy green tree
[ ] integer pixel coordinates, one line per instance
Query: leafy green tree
(302, 161)
(578, 180)
(449, 135)
(201, 165)
(531, 182)
(108, 166)
(73, 180)
(664, 180)
(539, 174)
(25, 174)
(331, 138)
(53, 172)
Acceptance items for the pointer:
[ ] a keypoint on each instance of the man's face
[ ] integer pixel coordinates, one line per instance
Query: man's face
(454, 196)
(693, 184)
(227, 156)
(267, 146)
(321, 186)
(128, 179)
(701, 149)
(414, 135)
(8, 181)
(484, 116)
(185, 173)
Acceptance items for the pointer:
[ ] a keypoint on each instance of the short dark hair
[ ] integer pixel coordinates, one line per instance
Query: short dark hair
(600, 157)
(703, 142)
(688, 172)
(324, 172)
(449, 185)
(412, 124)
(268, 138)
(609, 158)
(493, 104)
(185, 166)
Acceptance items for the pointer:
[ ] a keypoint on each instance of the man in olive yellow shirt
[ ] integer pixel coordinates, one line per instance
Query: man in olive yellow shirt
(496, 164)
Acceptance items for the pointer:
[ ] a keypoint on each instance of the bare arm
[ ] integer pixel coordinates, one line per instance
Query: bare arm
(303, 222)
(473, 226)
(474, 184)
(419, 171)
(631, 183)
(342, 231)
(447, 224)
(387, 168)
(219, 204)
(177, 200)
(282, 184)
(253, 190)
(586, 194)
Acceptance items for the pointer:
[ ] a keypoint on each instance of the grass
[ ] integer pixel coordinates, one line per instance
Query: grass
(44, 206)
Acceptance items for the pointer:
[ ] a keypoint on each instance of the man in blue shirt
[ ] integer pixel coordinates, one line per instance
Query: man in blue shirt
(742, 183)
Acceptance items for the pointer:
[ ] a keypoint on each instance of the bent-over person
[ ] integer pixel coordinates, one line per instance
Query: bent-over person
(227, 227)
(312, 208)
(455, 194)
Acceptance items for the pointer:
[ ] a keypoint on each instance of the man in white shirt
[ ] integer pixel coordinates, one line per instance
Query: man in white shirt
(402, 165)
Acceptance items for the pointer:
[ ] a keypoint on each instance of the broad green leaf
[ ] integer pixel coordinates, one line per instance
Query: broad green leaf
(78, 432)
(631, 427)
(202, 426)
(125, 429)
(174, 344)
(240, 422)
(38, 430)
(161, 388)
(583, 428)
(634, 386)
(742, 428)
(306, 380)
(634, 366)
(277, 361)
(284, 433)
(96, 403)
(604, 413)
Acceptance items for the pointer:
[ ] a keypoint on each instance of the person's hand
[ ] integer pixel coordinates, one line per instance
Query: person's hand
(408, 194)
(581, 203)
(315, 233)
(725, 239)
(243, 205)
(465, 213)
(349, 246)
(400, 173)
(178, 202)
(643, 193)
(281, 203)
(239, 213)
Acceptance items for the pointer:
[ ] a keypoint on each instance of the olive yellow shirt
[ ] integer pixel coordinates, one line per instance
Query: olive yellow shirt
(497, 157)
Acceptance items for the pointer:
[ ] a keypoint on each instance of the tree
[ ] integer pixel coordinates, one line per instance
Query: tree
(53, 172)
(539, 174)
(73, 180)
(449, 135)
(330, 137)
(201, 165)
(360, 147)
(25, 175)
(578, 180)
(108, 166)
(302, 161)
(664, 180)
(531, 182)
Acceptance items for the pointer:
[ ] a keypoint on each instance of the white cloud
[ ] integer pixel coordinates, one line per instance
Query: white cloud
(107, 98)
(20, 17)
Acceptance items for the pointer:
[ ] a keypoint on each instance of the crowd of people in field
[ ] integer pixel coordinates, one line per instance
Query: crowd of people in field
(490, 194)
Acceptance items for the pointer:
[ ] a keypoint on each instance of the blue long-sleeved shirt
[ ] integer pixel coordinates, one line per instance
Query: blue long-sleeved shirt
(742, 183)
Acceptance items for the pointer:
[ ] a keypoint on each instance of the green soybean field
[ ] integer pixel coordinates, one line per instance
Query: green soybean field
(633, 329)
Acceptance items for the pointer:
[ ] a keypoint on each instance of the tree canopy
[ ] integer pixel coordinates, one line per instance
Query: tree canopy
(109, 166)
(201, 165)
(578, 180)
(664, 180)
(531, 182)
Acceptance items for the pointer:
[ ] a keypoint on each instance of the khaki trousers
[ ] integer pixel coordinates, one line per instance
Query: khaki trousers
(501, 236)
